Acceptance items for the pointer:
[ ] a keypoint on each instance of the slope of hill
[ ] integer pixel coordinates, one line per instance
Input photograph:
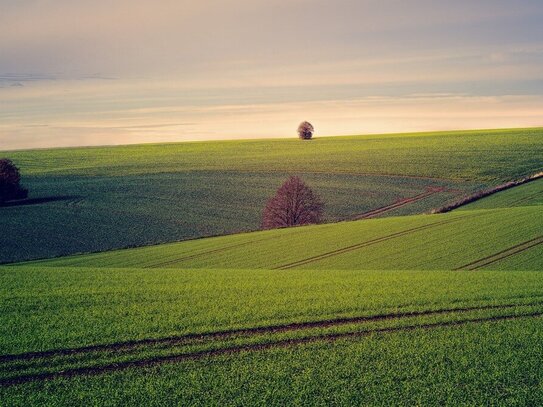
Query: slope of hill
(456, 240)
(529, 194)
(327, 305)
(94, 199)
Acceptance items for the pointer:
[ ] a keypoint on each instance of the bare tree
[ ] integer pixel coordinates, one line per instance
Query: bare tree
(305, 130)
(10, 178)
(293, 204)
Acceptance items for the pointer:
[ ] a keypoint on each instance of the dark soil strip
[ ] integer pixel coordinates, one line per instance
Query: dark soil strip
(511, 251)
(114, 367)
(400, 203)
(483, 194)
(362, 244)
(180, 339)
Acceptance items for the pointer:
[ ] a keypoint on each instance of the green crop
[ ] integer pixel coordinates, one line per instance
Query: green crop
(102, 198)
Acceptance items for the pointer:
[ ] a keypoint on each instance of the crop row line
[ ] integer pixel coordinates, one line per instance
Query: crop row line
(503, 254)
(180, 339)
(336, 172)
(400, 203)
(212, 251)
(527, 198)
(197, 355)
(367, 243)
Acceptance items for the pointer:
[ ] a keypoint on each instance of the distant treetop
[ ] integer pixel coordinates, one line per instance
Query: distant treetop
(305, 130)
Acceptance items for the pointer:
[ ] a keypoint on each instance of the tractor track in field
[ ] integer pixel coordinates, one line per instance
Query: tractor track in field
(367, 243)
(430, 191)
(527, 198)
(400, 203)
(350, 173)
(212, 251)
(284, 343)
(503, 254)
(252, 331)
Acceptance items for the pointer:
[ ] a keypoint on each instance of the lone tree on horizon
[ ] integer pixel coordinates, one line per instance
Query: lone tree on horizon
(305, 130)
(294, 204)
(10, 178)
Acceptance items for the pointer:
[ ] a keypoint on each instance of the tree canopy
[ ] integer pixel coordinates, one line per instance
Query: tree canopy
(293, 204)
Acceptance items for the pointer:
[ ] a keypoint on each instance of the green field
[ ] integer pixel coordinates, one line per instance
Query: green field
(102, 198)
(402, 310)
(487, 363)
(423, 242)
(530, 194)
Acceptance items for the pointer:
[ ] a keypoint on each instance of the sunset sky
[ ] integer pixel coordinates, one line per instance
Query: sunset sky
(90, 72)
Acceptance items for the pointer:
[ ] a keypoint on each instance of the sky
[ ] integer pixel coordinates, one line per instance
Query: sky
(95, 72)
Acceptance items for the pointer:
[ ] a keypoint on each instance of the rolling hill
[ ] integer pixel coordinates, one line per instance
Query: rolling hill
(103, 198)
(419, 309)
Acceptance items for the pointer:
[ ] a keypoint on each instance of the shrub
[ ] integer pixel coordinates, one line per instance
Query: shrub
(305, 130)
(293, 204)
(10, 178)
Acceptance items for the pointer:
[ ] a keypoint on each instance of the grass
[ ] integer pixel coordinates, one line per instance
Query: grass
(423, 242)
(451, 155)
(48, 308)
(411, 310)
(474, 364)
(102, 198)
(101, 213)
(530, 194)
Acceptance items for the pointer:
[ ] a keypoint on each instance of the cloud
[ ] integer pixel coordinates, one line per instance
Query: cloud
(144, 37)
(188, 70)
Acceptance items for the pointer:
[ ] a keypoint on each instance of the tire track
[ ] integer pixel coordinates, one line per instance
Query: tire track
(366, 244)
(503, 254)
(402, 202)
(160, 360)
(527, 198)
(212, 251)
(328, 172)
(252, 331)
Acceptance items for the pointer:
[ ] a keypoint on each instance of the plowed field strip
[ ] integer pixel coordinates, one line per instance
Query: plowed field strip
(246, 348)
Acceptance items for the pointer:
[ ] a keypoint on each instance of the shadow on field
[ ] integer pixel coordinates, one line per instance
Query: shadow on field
(37, 201)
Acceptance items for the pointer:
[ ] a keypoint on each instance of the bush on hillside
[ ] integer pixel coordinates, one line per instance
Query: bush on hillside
(10, 182)
(293, 204)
